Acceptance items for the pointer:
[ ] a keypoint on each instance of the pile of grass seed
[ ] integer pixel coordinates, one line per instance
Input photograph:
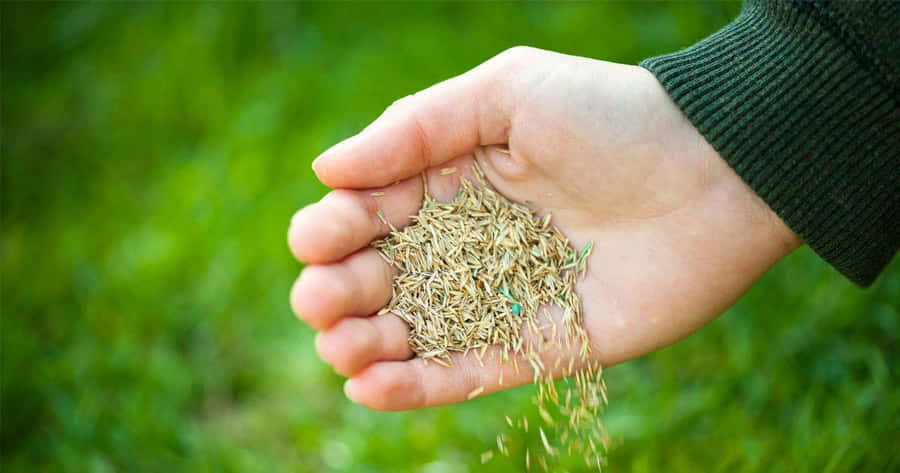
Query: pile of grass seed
(481, 271)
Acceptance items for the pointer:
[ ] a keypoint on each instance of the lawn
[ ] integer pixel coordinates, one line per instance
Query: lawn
(152, 155)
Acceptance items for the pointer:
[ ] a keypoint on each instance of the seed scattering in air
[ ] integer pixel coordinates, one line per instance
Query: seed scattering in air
(481, 271)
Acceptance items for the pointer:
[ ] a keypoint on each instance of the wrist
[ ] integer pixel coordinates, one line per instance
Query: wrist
(743, 214)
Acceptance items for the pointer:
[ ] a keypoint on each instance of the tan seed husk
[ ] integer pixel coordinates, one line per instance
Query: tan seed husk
(472, 273)
(475, 392)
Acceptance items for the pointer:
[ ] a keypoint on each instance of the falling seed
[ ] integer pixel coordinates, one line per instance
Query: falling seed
(377, 194)
(449, 170)
(550, 450)
(475, 392)
(545, 415)
(486, 456)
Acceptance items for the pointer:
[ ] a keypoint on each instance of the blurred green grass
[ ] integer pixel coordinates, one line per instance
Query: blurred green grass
(152, 155)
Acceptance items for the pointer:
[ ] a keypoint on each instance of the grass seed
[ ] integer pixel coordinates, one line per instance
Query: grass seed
(473, 273)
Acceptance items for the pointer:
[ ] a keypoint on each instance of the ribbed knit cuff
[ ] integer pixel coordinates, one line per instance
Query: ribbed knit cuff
(807, 127)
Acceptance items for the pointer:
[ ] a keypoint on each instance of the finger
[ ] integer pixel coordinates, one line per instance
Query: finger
(412, 384)
(402, 385)
(354, 343)
(423, 130)
(361, 283)
(358, 285)
(347, 220)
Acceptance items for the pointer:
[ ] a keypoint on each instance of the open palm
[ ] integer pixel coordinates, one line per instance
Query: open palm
(677, 236)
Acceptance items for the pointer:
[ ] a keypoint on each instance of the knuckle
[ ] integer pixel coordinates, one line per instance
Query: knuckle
(415, 390)
(391, 389)
(345, 235)
(512, 166)
(516, 53)
(343, 364)
(340, 297)
(356, 207)
(400, 103)
(471, 378)
(420, 130)
(316, 299)
(369, 208)
(395, 337)
(341, 199)
(387, 390)
(350, 292)
(339, 347)
(362, 337)
(382, 289)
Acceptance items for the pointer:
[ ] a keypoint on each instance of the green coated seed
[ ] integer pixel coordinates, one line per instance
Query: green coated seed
(516, 308)
(584, 252)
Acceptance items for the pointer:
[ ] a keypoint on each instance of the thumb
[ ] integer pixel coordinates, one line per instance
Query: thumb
(423, 130)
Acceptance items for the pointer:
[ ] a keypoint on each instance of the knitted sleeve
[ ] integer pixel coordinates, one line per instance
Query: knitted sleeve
(801, 99)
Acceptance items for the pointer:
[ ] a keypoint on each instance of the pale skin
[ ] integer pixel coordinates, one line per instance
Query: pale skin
(677, 236)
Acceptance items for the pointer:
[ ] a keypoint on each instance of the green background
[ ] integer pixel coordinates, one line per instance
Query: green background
(152, 156)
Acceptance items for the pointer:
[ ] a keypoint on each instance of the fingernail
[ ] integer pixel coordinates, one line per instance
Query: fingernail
(348, 390)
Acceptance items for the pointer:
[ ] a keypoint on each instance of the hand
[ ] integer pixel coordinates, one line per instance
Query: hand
(677, 235)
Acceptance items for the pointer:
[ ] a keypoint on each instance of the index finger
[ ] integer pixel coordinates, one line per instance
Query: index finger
(422, 130)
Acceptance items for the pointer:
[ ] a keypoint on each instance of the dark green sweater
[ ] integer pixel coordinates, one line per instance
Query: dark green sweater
(801, 99)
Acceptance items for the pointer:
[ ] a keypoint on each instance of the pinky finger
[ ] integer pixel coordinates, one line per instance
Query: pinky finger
(412, 384)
